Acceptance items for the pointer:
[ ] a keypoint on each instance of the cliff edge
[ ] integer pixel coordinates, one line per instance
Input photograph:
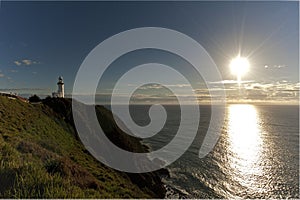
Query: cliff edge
(42, 157)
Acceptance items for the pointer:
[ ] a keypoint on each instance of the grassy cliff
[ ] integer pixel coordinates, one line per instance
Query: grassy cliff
(41, 156)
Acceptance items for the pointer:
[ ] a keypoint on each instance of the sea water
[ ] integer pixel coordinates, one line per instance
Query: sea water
(256, 156)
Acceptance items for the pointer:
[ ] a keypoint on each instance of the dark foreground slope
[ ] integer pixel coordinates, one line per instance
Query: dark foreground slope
(41, 156)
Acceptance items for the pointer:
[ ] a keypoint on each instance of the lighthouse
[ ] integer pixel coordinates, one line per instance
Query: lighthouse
(61, 88)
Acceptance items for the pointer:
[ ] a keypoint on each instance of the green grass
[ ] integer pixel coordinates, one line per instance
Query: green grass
(41, 157)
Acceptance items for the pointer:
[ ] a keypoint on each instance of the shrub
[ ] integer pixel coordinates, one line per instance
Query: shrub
(34, 99)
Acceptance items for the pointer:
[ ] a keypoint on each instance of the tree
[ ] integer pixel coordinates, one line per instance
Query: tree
(48, 97)
(34, 99)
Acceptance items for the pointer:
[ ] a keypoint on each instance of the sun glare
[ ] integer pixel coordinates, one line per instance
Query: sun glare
(239, 66)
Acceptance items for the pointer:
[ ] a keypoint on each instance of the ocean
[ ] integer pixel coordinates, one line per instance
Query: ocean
(256, 156)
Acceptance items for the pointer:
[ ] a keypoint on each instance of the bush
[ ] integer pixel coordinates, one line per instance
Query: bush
(34, 99)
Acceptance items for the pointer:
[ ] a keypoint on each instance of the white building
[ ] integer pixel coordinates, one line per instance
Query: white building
(61, 89)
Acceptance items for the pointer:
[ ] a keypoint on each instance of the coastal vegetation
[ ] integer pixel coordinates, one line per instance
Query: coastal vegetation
(42, 157)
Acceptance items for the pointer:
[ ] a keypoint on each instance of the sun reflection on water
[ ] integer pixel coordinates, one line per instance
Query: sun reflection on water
(245, 143)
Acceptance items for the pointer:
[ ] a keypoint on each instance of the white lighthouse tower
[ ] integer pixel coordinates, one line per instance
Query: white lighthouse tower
(61, 89)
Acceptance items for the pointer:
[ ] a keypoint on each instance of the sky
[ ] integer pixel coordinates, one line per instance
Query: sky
(40, 41)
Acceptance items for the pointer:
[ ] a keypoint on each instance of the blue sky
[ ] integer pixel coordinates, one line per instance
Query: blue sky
(41, 40)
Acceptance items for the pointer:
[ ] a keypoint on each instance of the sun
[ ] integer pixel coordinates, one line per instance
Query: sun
(239, 66)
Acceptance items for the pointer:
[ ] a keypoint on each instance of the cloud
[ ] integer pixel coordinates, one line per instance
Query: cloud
(25, 89)
(253, 91)
(26, 62)
(1, 75)
(18, 63)
(179, 85)
(151, 86)
(275, 66)
(229, 82)
(159, 86)
(13, 71)
(283, 91)
(272, 91)
(279, 66)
